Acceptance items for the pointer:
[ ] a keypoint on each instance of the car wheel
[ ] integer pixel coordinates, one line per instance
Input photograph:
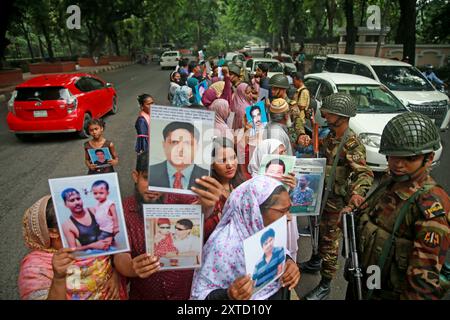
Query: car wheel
(24, 137)
(114, 107)
(84, 133)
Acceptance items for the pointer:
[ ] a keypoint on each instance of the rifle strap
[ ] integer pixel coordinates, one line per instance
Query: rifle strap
(330, 180)
(401, 216)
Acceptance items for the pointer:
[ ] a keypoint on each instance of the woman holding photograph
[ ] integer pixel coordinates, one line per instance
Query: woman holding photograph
(224, 170)
(51, 272)
(251, 206)
(96, 127)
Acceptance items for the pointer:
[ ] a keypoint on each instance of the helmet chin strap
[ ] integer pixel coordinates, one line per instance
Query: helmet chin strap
(408, 177)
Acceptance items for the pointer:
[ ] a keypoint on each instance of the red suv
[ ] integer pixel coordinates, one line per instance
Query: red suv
(59, 103)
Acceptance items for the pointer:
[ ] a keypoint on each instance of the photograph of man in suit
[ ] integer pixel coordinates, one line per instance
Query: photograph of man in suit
(178, 171)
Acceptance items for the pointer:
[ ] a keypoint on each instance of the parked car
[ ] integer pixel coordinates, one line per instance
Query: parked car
(169, 59)
(232, 57)
(317, 64)
(405, 81)
(275, 66)
(59, 103)
(376, 105)
(285, 59)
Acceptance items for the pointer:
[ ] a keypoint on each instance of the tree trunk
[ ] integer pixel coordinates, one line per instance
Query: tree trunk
(363, 12)
(48, 40)
(69, 43)
(115, 41)
(27, 38)
(5, 17)
(351, 29)
(331, 13)
(382, 24)
(408, 17)
(41, 47)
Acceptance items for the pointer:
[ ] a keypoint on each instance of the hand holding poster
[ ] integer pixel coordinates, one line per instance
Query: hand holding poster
(100, 157)
(174, 234)
(265, 254)
(90, 215)
(307, 196)
(180, 148)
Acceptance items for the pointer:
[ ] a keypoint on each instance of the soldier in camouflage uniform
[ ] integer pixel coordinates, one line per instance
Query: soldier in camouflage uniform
(299, 105)
(410, 198)
(353, 179)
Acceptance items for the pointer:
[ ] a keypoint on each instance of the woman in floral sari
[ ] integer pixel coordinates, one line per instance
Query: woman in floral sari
(50, 272)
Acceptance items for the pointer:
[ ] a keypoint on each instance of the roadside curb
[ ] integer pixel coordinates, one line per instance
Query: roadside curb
(5, 96)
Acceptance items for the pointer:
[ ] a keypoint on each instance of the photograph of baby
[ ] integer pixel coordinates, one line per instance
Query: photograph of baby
(276, 166)
(100, 157)
(265, 254)
(304, 196)
(174, 235)
(257, 116)
(90, 215)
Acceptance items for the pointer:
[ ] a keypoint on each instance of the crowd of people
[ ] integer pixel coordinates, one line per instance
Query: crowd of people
(237, 202)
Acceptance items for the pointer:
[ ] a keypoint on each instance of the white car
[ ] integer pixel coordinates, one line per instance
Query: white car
(275, 66)
(169, 59)
(376, 105)
(285, 59)
(232, 57)
(407, 83)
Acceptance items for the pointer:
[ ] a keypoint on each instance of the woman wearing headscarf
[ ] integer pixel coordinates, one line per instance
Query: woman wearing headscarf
(252, 206)
(218, 92)
(274, 146)
(222, 110)
(241, 100)
(50, 272)
(182, 96)
(175, 79)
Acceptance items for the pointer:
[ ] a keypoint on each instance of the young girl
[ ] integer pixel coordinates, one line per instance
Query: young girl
(96, 128)
(142, 124)
(105, 211)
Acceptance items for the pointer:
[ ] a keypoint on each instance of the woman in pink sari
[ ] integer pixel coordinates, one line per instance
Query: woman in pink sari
(50, 272)
(222, 109)
(244, 96)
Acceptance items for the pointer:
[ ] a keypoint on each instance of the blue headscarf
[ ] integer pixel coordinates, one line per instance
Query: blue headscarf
(181, 97)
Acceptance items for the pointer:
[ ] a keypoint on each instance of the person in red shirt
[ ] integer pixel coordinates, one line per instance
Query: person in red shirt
(141, 269)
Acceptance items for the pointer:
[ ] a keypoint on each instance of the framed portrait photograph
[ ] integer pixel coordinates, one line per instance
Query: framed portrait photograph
(257, 116)
(174, 234)
(180, 148)
(306, 197)
(276, 166)
(89, 213)
(100, 157)
(265, 254)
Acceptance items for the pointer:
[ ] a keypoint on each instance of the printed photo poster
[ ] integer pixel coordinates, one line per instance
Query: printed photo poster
(100, 157)
(265, 254)
(175, 234)
(180, 148)
(307, 196)
(200, 90)
(257, 116)
(89, 213)
(276, 166)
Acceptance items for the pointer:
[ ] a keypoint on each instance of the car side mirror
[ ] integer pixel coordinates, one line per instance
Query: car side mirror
(109, 85)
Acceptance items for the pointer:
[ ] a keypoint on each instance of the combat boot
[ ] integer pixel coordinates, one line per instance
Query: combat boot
(312, 266)
(321, 292)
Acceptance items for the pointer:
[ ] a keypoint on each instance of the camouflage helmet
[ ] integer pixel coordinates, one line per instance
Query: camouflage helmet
(409, 134)
(279, 81)
(341, 104)
(233, 68)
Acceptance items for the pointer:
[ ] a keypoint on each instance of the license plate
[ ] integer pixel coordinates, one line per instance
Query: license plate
(40, 113)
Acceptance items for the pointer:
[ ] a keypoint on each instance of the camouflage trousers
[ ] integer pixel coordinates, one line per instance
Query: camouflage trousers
(329, 236)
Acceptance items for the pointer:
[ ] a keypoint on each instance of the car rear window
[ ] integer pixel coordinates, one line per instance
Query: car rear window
(44, 93)
(170, 54)
(273, 66)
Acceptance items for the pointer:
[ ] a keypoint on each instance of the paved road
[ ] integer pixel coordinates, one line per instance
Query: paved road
(27, 166)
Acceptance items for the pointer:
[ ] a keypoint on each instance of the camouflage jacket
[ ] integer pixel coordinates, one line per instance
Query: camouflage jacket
(353, 176)
(421, 244)
(298, 107)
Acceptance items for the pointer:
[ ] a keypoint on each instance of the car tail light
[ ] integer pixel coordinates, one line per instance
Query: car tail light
(71, 102)
(11, 102)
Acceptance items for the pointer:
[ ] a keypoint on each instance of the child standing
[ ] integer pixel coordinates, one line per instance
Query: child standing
(142, 124)
(96, 128)
(105, 211)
